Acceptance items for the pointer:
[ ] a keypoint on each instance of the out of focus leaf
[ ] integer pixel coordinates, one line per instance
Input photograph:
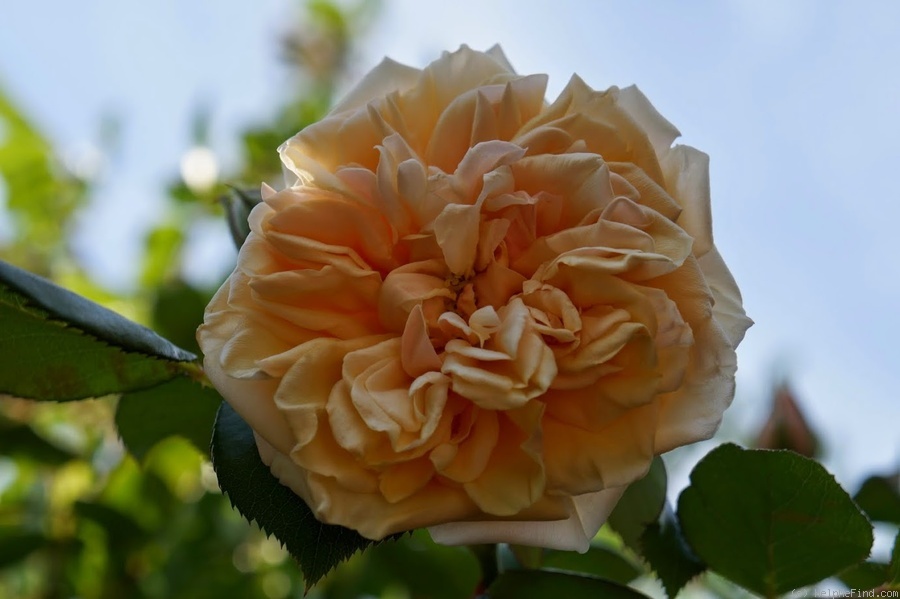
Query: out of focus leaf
(771, 521)
(426, 569)
(162, 254)
(258, 496)
(238, 203)
(121, 530)
(598, 561)
(540, 584)
(641, 504)
(20, 441)
(864, 575)
(665, 549)
(879, 498)
(178, 311)
(17, 544)
(178, 407)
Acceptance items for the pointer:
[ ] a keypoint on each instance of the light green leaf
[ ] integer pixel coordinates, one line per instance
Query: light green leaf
(180, 407)
(771, 521)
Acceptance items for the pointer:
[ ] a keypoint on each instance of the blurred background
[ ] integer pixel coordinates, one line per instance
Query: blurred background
(122, 123)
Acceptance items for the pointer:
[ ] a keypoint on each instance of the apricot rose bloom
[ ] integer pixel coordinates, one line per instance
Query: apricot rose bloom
(476, 312)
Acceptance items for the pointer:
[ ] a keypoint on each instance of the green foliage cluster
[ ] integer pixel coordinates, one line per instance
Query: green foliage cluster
(119, 495)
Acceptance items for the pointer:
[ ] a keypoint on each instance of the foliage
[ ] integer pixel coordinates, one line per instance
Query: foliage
(119, 495)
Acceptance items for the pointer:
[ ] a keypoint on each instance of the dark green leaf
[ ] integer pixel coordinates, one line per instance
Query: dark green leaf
(641, 504)
(238, 203)
(178, 311)
(598, 561)
(46, 359)
(122, 531)
(20, 441)
(879, 497)
(17, 544)
(771, 521)
(258, 495)
(426, 569)
(665, 549)
(178, 407)
(864, 575)
(80, 313)
(540, 584)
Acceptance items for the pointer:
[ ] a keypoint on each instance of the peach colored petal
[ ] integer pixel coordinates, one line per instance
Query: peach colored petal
(587, 514)
(660, 131)
(687, 177)
(387, 77)
(728, 307)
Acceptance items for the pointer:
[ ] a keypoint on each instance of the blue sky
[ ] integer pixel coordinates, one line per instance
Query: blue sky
(796, 102)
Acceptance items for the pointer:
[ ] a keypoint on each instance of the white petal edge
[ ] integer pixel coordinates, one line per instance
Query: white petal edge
(590, 511)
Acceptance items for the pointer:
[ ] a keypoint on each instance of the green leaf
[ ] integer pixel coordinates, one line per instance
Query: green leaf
(864, 575)
(771, 521)
(641, 504)
(664, 548)
(44, 359)
(178, 311)
(178, 407)
(894, 566)
(879, 497)
(540, 584)
(238, 203)
(258, 495)
(598, 561)
(20, 441)
(80, 313)
(17, 544)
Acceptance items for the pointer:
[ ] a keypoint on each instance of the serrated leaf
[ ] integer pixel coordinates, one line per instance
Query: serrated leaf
(180, 407)
(93, 319)
(598, 561)
(879, 497)
(257, 495)
(771, 521)
(641, 504)
(17, 544)
(540, 584)
(665, 549)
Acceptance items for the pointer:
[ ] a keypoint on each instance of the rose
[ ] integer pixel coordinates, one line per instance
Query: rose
(475, 312)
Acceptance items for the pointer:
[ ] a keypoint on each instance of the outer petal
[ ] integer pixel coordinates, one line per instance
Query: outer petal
(660, 131)
(387, 77)
(588, 513)
(728, 309)
(687, 177)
